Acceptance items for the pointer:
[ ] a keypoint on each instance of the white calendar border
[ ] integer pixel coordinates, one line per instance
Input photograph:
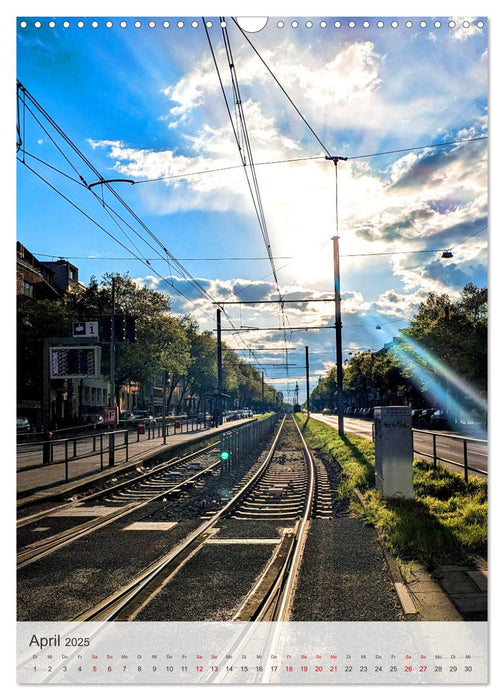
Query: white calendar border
(157, 8)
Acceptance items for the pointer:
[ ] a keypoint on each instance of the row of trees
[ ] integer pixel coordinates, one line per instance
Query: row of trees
(439, 360)
(167, 345)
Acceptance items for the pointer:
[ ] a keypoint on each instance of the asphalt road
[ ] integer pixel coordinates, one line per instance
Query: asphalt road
(449, 446)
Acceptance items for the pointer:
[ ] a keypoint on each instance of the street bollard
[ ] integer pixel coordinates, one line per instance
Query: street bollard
(111, 459)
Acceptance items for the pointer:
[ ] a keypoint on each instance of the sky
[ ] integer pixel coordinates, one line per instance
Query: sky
(146, 104)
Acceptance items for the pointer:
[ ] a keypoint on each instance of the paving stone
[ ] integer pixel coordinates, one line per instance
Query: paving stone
(480, 579)
(457, 582)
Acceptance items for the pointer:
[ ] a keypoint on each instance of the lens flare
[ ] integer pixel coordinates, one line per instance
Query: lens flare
(446, 389)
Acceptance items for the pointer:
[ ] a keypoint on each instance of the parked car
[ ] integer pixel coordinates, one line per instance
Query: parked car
(438, 418)
(92, 419)
(145, 416)
(23, 425)
(427, 414)
(127, 415)
(326, 412)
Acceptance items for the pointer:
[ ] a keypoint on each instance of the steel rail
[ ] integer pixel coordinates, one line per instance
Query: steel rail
(41, 549)
(275, 604)
(111, 607)
(174, 461)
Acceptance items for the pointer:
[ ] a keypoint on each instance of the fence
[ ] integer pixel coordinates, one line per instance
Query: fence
(461, 439)
(242, 441)
(101, 448)
(64, 451)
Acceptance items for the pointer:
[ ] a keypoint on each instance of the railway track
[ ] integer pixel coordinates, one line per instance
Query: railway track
(165, 481)
(281, 489)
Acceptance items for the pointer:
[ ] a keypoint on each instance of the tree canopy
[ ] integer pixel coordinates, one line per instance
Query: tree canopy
(168, 345)
(444, 336)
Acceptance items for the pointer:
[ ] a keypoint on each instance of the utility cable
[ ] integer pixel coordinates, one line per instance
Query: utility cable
(319, 141)
(244, 147)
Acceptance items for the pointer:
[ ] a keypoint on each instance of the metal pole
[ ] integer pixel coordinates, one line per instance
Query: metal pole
(337, 305)
(112, 349)
(66, 460)
(219, 366)
(46, 404)
(262, 391)
(111, 440)
(307, 382)
(164, 407)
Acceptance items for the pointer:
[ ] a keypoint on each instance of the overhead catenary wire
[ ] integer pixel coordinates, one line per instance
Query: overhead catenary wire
(242, 139)
(180, 268)
(102, 228)
(141, 260)
(318, 139)
(210, 171)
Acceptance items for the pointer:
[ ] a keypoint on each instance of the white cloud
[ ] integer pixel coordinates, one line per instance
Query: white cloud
(422, 195)
(465, 28)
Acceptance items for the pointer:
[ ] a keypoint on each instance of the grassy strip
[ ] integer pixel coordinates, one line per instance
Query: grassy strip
(446, 522)
(263, 416)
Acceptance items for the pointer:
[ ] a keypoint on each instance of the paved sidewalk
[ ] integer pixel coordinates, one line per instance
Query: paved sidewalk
(49, 480)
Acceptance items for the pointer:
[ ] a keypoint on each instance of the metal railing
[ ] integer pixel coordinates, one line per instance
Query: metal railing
(103, 445)
(435, 452)
(241, 441)
(64, 451)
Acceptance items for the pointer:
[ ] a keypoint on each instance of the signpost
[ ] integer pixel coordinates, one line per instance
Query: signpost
(86, 329)
(110, 416)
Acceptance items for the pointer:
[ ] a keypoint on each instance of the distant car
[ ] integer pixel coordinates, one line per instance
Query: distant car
(326, 412)
(92, 418)
(416, 414)
(23, 425)
(146, 417)
(127, 415)
(439, 418)
(427, 414)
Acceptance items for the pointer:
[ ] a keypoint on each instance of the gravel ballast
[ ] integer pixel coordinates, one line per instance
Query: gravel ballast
(344, 575)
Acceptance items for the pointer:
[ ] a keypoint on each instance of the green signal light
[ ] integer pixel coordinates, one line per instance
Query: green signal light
(224, 455)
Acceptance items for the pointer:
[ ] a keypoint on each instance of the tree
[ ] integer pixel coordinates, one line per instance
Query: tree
(37, 320)
(324, 394)
(454, 333)
(161, 340)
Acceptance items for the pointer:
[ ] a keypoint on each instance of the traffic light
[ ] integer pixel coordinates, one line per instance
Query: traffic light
(119, 329)
(106, 329)
(224, 455)
(131, 329)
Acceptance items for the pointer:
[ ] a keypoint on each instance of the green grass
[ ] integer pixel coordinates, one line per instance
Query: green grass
(263, 416)
(446, 522)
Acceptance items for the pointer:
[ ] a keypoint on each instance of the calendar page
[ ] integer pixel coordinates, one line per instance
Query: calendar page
(252, 349)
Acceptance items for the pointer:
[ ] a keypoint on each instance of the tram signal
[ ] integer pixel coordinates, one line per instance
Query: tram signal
(224, 455)
(119, 329)
(124, 329)
(130, 329)
(106, 329)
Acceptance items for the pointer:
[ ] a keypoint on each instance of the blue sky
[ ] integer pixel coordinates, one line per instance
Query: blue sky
(145, 103)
